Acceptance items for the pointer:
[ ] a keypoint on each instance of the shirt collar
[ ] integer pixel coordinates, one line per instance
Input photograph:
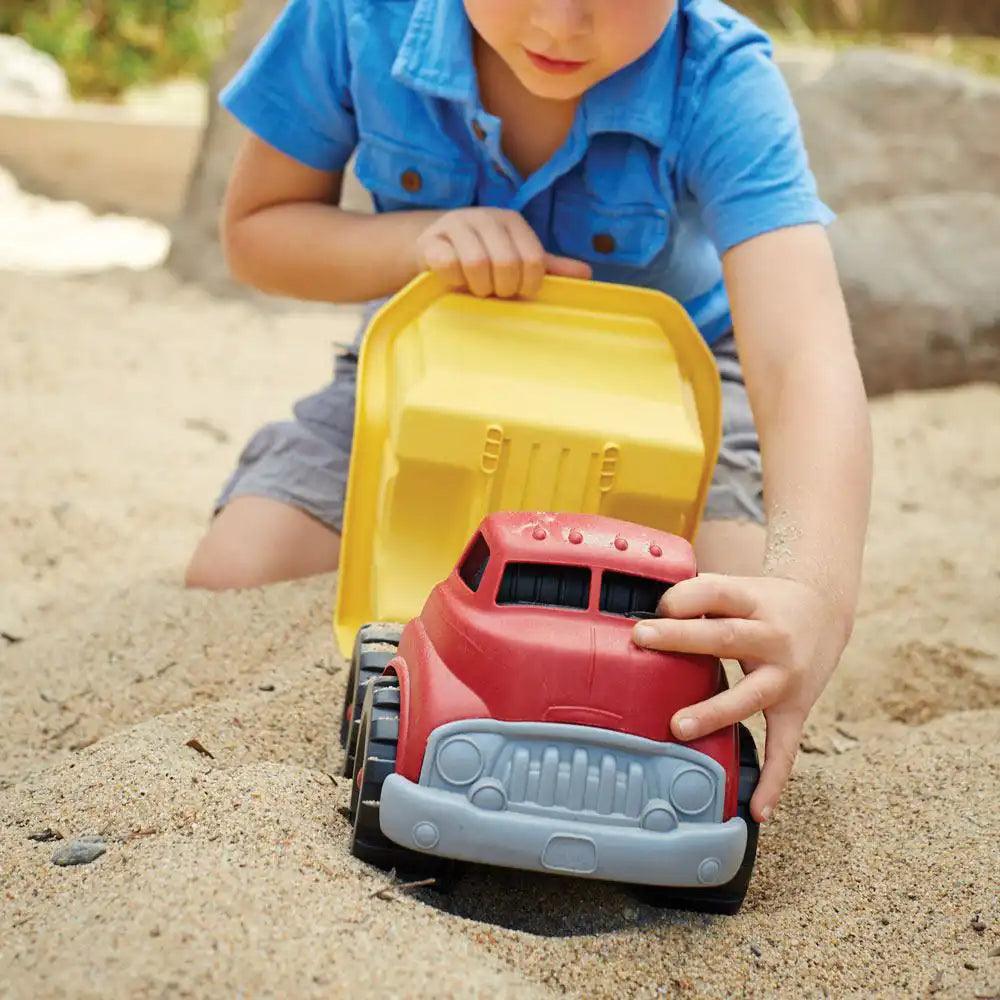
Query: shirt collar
(436, 58)
(639, 98)
(436, 54)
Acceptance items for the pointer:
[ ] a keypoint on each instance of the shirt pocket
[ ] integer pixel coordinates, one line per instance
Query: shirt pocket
(602, 233)
(400, 177)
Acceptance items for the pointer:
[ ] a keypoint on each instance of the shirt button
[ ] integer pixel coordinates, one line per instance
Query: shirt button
(478, 131)
(603, 243)
(411, 181)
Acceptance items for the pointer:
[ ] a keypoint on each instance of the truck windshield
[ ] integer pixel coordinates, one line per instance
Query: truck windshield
(474, 564)
(545, 585)
(631, 596)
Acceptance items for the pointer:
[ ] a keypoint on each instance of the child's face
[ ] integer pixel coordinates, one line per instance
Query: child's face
(560, 48)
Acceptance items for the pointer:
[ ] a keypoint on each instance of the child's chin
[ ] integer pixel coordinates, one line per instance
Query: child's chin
(554, 87)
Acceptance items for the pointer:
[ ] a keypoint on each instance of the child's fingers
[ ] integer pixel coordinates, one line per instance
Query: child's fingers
(441, 258)
(505, 261)
(753, 694)
(730, 638)
(473, 257)
(531, 253)
(780, 750)
(709, 594)
(567, 267)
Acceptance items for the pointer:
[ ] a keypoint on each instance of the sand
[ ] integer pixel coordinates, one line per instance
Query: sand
(124, 401)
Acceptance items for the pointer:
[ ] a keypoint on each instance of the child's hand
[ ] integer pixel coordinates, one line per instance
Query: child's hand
(490, 251)
(788, 639)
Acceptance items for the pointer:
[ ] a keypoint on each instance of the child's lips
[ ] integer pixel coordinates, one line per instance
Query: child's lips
(548, 65)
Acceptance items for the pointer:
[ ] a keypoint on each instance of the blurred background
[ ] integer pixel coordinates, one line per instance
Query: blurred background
(110, 104)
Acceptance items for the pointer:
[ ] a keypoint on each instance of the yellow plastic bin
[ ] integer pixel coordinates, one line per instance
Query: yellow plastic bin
(592, 398)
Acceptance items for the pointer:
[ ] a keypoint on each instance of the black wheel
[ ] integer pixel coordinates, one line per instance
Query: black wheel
(728, 898)
(375, 646)
(376, 759)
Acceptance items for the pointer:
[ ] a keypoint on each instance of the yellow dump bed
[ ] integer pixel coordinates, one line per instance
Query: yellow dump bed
(592, 398)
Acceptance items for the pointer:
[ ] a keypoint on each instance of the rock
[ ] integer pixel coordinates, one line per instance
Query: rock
(907, 150)
(920, 276)
(881, 124)
(81, 851)
(45, 836)
(29, 79)
(41, 235)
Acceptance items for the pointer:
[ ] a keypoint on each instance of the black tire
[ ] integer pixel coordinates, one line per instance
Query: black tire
(375, 646)
(724, 899)
(376, 760)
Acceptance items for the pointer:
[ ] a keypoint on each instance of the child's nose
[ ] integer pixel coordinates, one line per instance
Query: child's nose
(562, 20)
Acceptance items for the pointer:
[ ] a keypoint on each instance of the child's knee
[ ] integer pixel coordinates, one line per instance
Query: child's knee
(211, 570)
(219, 564)
(256, 541)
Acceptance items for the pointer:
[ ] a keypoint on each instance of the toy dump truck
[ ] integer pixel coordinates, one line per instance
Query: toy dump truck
(511, 720)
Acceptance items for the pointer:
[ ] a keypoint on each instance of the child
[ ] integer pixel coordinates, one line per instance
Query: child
(650, 142)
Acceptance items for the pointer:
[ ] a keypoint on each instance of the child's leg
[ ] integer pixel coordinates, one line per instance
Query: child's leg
(731, 538)
(732, 547)
(279, 516)
(255, 541)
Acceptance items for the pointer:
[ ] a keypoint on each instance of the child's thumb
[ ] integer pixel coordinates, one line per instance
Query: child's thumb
(566, 267)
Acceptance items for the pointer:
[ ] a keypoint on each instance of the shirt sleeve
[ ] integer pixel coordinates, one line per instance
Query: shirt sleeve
(294, 91)
(743, 158)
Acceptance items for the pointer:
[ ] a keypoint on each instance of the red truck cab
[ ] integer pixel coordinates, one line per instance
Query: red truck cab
(517, 723)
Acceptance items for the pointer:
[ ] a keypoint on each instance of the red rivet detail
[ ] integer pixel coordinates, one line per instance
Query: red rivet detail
(655, 551)
(539, 534)
(576, 536)
(621, 544)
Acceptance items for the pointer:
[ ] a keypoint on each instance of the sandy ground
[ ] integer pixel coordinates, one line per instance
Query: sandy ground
(124, 400)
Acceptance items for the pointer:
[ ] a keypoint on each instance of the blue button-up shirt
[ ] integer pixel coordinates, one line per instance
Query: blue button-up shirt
(670, 162)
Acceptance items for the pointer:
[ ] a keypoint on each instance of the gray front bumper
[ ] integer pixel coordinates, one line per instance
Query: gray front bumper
(447, 824)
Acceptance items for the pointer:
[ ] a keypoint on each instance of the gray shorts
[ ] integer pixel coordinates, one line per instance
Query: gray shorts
(304, 461)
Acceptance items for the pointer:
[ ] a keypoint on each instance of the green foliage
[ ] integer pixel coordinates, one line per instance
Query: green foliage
(106, 46)
(981, 55)
(889, 17)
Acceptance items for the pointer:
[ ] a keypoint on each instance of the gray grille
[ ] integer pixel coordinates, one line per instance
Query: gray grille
(575, 778)
(573, 771)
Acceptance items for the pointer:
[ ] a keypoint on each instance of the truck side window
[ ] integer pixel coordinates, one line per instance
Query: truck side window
(545, 585)
(475, 562)
(632, 596)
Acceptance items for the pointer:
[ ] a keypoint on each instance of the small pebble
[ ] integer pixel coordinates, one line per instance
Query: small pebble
(45, 836)
(81, 851)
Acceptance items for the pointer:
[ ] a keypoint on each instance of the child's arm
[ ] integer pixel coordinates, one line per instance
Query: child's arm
(788, 627)
(283, 234)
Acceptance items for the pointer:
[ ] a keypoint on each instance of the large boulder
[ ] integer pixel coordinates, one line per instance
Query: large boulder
(908, 152)
(29, 79)
(881, 124)
(922, 280)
